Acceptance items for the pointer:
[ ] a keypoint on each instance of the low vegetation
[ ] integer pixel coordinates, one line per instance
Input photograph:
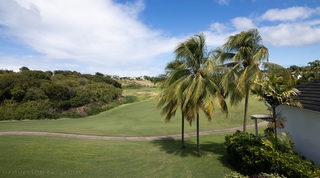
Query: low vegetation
(252, 155)
(261, 175)
(31, 94)
(307, 73)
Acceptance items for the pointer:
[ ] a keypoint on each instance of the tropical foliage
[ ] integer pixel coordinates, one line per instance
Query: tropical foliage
(31, 94)
(276, 88)
(251, 155)
(307, 73)
(190, 85)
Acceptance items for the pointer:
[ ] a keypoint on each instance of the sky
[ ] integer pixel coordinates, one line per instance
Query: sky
(138, 37)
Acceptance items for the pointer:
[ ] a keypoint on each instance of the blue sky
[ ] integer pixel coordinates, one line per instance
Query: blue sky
(137, 37)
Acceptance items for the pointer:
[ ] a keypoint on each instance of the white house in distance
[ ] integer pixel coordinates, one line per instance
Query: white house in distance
(303, 124)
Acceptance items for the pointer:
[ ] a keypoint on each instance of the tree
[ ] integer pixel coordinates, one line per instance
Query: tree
(171, 101)
(24, 69)
(276, 88)
(174, 99)
(295, 71)
(242, 54)
(99, 74)
(306, 73)
(190, 85)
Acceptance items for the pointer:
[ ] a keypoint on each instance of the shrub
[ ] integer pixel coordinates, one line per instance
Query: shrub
(95, 110)
(130, 99)
(261, 175)
(244, 151)
(56, 92)
(251, 155)
(40, 95)
(133, 86)
(235, 175)
(28, 110)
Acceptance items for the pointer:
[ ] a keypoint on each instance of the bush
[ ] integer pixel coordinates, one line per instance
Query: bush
(235, 175)
(95, 110)
(261, 175)
(244, 151)
(28, 110)
(250, 155)
(130, 99)
(133, 86)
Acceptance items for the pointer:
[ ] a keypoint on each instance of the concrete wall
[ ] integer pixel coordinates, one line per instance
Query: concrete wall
(304, 130)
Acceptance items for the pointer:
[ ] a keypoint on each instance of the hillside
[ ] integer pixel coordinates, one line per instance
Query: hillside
(32, 94)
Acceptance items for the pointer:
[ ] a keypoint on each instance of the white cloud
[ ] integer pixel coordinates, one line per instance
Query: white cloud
(46, 64)
(219, 27)
(216, 39)
(295, 26)
(96, 33)
(223, 2)
(292, 34)
(288, 33)
(289, 14)
(133, 8)
(242, 23)
(218, 33)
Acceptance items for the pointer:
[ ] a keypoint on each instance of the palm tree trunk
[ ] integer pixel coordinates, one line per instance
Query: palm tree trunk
(274, 116)
(198, 143)
(246, 105)
(182, 129)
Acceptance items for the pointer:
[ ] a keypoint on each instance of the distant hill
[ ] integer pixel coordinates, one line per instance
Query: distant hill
(33, 94)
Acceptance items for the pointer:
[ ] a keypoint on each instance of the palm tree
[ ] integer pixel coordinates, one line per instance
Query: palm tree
(170, 99)
(276, 88)
(243, 54)
(191, 85)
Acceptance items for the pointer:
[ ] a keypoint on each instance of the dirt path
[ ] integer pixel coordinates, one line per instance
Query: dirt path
(96, 137)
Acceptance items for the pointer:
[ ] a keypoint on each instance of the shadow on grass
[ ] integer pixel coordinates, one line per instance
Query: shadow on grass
(172, 146)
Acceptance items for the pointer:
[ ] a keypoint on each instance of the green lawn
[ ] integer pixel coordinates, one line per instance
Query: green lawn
(138, 91)
(38, 156)
(136, 119)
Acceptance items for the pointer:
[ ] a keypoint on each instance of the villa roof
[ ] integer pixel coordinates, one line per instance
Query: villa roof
(310, 95)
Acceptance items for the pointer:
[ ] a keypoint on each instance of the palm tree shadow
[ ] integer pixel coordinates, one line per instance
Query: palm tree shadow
(172, 146)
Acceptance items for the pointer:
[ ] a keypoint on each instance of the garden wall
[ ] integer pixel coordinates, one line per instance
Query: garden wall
(304, 130)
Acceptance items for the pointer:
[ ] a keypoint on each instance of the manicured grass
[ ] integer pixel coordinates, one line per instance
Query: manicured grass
(38, 156)
(136, 119)
(140, 93)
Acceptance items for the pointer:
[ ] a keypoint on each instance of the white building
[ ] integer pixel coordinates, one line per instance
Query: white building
(303, 124)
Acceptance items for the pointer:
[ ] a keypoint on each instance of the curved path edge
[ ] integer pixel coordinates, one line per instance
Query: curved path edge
(151, 138)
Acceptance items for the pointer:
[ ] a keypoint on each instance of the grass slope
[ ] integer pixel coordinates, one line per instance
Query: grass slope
(136, 119)
(38, 156)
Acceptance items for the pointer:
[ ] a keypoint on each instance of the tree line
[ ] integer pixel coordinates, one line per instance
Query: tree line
(307, 73)
(33, 94)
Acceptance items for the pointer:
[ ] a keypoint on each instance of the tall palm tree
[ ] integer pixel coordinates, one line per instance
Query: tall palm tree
(170, 98)
(191, 84)
(243, 54)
